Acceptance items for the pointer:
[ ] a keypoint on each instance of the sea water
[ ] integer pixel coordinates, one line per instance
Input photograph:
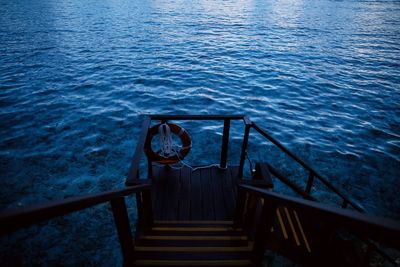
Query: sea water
(76, 77)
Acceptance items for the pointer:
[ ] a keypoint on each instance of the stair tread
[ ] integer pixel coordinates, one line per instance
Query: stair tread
(194, 262)
(190, 255)
(194, 222)
(195, 228)
(194, 237)
(193, 243)
(194, 249)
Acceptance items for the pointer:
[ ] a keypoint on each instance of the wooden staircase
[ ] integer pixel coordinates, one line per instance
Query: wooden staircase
(304, 231)
(193, 243)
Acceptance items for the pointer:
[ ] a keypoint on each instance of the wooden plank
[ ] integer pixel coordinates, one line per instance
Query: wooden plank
(196, 238)
(171, 231)
(159, 194)
(184, 195)
(207, 195)
(186, 242)
(195, 229)
(195, 201)
(198, 256)
(193, 262)
(194, 222)
(228, 194)
(233, 172)
(163, 193)
(154, 191)
(173, 187)
(194, 249)
(218, 193)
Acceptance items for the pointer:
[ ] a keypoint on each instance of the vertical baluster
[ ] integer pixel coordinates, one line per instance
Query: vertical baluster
(225, 142)
(310, 182)
(244, 150)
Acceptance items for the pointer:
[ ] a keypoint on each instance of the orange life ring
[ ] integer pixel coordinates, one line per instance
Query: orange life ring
(156, 156)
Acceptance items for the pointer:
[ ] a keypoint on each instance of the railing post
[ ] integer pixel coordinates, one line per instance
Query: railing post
(263, 231)
(310, 182)
(225, 142)
(123, 229)
(244, 150)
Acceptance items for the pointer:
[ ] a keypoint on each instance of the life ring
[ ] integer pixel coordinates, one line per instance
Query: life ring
(175, 157)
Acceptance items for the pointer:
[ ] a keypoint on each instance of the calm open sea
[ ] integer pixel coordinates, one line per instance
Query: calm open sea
(76, 76)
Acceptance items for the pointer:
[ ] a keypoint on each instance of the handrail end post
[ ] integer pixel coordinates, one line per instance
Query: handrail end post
(263, 231)
(121, 219)
(244, 150)
(225, 143)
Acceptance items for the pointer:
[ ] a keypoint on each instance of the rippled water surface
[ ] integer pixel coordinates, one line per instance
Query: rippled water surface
(322, 76)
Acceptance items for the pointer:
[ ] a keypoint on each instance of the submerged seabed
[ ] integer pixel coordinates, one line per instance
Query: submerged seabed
(76, 76)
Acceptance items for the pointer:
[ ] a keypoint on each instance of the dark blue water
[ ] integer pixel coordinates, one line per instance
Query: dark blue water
(322, 76)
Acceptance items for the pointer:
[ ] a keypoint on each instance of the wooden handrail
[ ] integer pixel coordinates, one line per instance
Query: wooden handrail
(134, 168)
(312, 173)
(13, 220)
(380, 229)
(195, 117)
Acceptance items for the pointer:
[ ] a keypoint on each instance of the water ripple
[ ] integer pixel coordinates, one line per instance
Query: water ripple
(76, 76)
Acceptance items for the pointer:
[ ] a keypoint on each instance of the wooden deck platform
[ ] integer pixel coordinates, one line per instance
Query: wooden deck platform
(190, 195)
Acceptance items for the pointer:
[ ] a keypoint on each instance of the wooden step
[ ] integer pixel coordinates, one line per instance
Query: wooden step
(193, 263)
(193, 243)
(194, 230)
(194, 238)
(194, 249)
(206, 241)
(188, 223)
(191, 254)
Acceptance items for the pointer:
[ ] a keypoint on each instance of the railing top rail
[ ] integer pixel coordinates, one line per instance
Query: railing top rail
(133, 172)
(384, 230)
(195, 117)
(134, 168)
(305, 166)
(19, 218)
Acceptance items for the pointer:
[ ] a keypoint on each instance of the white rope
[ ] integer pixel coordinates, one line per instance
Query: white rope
(169, 148)
(165, 140)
